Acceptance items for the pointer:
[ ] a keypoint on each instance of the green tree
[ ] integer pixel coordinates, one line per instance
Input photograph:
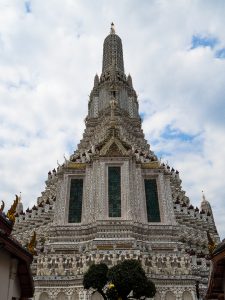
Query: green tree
(126, 280)
(96, 278)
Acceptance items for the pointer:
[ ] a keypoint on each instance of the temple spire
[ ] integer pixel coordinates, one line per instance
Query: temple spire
(112, 52)
(205, 205)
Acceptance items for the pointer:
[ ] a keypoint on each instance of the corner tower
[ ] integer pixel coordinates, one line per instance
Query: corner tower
(112, 199)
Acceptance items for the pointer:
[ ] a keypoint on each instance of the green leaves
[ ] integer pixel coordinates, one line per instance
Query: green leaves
(96, 277)
(125, 279)
(129, 278)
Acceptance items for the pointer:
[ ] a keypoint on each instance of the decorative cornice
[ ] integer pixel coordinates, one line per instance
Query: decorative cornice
(151, 165)
(74, 165)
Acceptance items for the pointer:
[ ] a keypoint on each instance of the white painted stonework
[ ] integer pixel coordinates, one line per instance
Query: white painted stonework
(173, 252)
(9, 281)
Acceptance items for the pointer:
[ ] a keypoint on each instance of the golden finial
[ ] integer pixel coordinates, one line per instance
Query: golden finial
(32, 244)
(2, 206)
(11, 212)
(112, 30)
(211, 243)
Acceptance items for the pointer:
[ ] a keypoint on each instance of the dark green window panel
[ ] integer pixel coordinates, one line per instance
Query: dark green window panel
(114, 191)
(75, 205)
(152, 202)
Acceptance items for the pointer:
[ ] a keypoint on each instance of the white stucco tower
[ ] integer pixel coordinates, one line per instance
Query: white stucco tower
(113, 200)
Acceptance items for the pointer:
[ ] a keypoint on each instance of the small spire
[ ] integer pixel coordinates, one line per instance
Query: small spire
(96, 80)
(203, 197)
(112, 30)
(205, 205)
(19, 207)
(129, 80)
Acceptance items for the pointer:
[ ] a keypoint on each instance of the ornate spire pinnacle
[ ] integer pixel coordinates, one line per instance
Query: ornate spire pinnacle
(96, 80)
(112, 30)
(205, 205)
(129, 80)
(203, 197)
(112, 52)
(112, 83)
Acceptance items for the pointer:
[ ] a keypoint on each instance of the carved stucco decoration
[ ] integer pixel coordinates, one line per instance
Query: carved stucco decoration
(113, 147)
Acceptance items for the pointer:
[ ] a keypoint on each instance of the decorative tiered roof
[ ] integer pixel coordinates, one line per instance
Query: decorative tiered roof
(14, 249)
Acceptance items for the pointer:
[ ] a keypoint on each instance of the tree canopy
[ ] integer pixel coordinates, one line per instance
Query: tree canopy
(125, 280)
(96, 278)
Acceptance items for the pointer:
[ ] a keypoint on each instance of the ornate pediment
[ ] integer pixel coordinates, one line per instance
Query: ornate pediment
(114, 147)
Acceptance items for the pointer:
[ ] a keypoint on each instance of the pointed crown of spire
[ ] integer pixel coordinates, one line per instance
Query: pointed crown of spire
(112, 52)
(203, 197)
(205, 205)
(96, 80)
(129, 80)
(112, 29)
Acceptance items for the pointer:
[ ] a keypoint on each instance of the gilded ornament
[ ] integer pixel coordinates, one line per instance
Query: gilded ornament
(32, 244)
(11, 212)
(79, 166)
(150, 165)
(211, 243)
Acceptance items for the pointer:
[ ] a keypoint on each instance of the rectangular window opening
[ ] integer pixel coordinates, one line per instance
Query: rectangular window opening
(75, 203)
(152, 202)
(114, 191)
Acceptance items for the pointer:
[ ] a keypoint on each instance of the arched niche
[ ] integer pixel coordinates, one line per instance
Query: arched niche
(61, 296)
(187, 296)
(96, 296)
(44, 296)
(157, 296)
(170, 296)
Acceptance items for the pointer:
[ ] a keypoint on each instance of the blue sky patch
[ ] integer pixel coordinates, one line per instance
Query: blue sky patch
(142, 115)
(171, 133)
(220, 53)
(70, 147)
(203, 41)
(162, 154)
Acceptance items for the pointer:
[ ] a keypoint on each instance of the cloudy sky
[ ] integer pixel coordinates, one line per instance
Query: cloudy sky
(175, 52)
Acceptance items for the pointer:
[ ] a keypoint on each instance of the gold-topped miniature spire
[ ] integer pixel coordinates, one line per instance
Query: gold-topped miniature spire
(112, 30)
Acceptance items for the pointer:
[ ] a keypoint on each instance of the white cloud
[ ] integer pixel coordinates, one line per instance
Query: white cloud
(48, 59)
